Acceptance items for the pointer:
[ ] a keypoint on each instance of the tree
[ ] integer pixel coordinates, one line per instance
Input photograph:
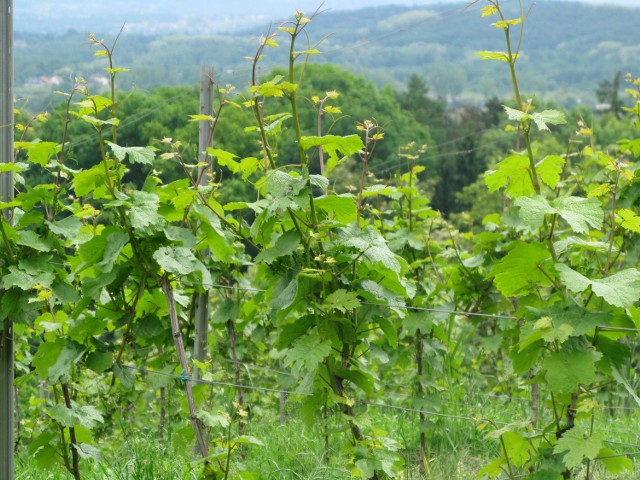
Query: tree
(608, 92)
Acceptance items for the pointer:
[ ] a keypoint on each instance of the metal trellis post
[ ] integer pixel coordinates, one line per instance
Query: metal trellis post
(6, 194)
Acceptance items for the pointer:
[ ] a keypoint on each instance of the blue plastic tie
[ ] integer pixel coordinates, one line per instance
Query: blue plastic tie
(184, 378)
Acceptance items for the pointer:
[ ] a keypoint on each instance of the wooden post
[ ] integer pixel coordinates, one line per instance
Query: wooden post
(201, 342)
(6, 194)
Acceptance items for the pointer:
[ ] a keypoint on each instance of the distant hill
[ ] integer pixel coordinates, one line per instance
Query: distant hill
(568, 49)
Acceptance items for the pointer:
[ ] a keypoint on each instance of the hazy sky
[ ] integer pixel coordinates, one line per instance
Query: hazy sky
(44, 16)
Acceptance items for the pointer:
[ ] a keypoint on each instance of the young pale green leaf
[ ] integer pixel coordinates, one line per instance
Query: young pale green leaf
(488, 11)
(566, 370)
(621, 289)
(512, 173)
(628, 220)
(522, 269)
(332, 144)
(504, 24)
(500, 56)
(578, 445)
(341, 300)
(201, 118)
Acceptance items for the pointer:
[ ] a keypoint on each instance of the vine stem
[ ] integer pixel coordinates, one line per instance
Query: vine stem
(614, 198)
(75, 457)
(167, 289)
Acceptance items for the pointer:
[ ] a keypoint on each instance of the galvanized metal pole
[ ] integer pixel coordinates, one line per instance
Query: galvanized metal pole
(6, 194)
(201, 342)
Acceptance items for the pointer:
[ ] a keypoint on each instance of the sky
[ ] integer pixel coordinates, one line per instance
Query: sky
(44, 16)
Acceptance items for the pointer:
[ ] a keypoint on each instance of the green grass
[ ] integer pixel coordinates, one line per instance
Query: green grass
(296, 451)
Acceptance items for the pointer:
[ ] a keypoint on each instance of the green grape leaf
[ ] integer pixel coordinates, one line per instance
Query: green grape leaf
(541, 119)
(143, 212)
(512, 173)
(341, 208)
(578, 446)
(376, 292)
(532, 210)
(53, 360)
(341, 300)
(144, 155)
(369, 242)
(88, 452)
(521, 269)
(68, 227)
(115, 242)
(614, 462)
(579, 213)
(286, 244)
(307, 352)
(566, 370)
(517, 448)
(553, 117)
(550, 170)
(249, 439)
(39, 152)
(31, 239)
(622, 289)
(91, 181)
(86, 415)
(181, 261)
(99, 362)
(285, 293)
(493, 469)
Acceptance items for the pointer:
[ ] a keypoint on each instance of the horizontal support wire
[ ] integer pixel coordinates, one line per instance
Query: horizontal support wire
(467, 418)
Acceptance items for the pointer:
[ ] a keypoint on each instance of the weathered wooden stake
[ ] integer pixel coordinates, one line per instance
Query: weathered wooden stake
(201, 341)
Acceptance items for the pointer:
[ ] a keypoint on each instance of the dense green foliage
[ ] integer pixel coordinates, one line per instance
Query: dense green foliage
(326, 266)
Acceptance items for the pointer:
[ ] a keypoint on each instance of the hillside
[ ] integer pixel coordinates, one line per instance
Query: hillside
(568, 50)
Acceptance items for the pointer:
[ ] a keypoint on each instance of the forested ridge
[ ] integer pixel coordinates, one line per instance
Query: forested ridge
(385, 44)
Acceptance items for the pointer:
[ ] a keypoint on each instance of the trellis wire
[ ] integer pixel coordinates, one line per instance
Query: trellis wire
(474, 419)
